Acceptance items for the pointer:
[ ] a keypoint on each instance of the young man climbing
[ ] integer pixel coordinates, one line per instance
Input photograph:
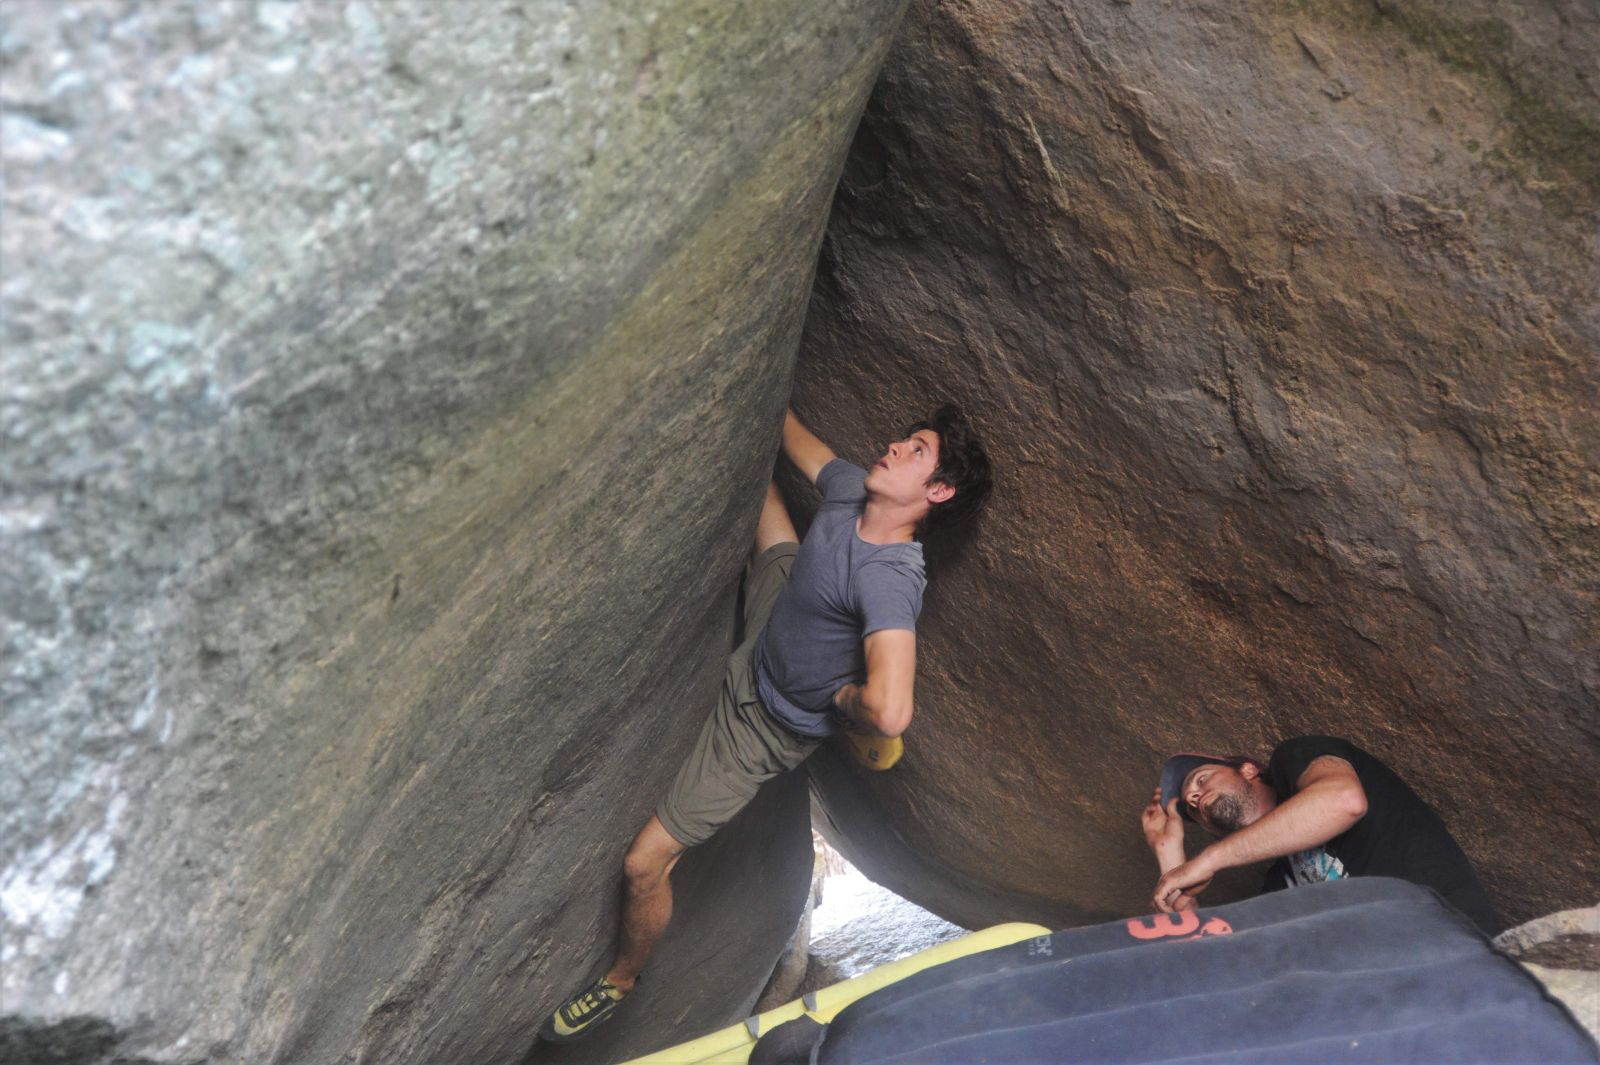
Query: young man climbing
(1323, 807)
(830, 642)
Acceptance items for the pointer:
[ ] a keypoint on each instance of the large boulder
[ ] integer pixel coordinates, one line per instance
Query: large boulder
(1281, 321)
(390, 389)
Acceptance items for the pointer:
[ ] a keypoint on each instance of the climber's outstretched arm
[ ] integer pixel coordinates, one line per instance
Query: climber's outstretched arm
(804, 449)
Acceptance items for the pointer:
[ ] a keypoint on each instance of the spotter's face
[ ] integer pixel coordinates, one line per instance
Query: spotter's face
(1219, 797)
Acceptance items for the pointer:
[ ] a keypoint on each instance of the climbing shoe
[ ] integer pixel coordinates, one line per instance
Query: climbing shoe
(581, 1015)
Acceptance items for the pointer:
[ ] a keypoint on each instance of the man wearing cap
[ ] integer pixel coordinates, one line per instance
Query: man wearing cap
(1323, 807)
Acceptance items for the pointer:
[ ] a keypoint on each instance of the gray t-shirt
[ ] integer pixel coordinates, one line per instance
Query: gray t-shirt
(841, 590)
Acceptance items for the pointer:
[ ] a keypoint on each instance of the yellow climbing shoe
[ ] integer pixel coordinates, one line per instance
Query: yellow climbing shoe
(581, 1015)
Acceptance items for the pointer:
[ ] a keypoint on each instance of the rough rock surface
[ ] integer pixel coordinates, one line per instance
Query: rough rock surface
(1563, 951)
(1282, 323)
(389, 392)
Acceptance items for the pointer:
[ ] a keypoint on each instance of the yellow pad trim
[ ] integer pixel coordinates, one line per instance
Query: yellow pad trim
(732, 1045)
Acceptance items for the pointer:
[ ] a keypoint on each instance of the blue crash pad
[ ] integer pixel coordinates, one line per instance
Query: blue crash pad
(1361, 970)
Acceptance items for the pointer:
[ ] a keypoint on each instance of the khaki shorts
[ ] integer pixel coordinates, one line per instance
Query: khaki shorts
(741, 747)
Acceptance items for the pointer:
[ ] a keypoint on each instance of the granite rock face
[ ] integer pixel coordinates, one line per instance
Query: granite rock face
(1282, 323)
(389, 394)
(390, 388)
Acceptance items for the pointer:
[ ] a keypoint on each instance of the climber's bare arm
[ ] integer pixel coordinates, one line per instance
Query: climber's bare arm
(804, 449)
(882, 706)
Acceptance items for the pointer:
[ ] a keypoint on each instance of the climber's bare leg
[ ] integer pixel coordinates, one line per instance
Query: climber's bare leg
(647, 900)
(774, 527)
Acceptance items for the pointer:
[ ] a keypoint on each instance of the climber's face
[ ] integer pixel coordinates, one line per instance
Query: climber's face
(902, 474)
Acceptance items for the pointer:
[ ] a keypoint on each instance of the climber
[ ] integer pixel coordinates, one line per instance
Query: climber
(1323, 807)
(829, 642)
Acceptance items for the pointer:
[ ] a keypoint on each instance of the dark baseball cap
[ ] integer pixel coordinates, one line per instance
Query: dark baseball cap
(1178, 768)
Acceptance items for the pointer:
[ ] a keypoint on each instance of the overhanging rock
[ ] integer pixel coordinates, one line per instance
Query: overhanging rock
(1282, 324)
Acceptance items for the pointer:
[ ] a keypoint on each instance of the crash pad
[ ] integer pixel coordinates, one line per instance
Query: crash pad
(1360, 970)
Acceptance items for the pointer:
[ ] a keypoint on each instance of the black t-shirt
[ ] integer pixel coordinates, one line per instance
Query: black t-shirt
(1400, 835)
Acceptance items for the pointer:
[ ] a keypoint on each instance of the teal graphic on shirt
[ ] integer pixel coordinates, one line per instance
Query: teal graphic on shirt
(1314, 866)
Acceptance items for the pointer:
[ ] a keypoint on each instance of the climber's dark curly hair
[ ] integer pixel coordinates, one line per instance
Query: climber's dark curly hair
(963, 465)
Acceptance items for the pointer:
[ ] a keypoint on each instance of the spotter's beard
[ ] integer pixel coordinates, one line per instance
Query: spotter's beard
(1230, 813)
